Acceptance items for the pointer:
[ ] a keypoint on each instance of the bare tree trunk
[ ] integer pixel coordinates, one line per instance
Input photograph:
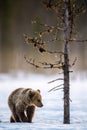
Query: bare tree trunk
(66, 65)
(66, 88)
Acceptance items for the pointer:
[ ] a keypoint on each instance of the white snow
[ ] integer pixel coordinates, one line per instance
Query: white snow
(50, 117)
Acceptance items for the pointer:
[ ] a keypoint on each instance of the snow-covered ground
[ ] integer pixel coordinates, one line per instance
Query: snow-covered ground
(50, 117)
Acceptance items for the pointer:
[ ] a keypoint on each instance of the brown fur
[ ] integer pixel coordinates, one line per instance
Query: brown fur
(30, 112)
(22, 103)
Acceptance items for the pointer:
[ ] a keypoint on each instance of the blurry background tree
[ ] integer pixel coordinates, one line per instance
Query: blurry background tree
(66, 13)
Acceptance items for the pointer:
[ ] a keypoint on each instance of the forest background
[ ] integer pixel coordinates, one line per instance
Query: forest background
(15, 20)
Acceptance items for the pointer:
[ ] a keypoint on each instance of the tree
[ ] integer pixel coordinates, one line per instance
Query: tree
(66, 11)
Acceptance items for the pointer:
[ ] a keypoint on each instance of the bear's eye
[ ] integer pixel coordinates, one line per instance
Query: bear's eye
(38, 100)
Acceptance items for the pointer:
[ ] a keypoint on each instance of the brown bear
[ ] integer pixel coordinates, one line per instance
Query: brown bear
(22, 103)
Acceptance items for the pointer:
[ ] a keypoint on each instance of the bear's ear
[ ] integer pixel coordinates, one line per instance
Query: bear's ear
(38, 90)
(31, 94)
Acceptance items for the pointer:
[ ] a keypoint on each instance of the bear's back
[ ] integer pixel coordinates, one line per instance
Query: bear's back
(14, 95)
(18, 94)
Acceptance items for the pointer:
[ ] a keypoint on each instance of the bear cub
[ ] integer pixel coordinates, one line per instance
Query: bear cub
(22, 103)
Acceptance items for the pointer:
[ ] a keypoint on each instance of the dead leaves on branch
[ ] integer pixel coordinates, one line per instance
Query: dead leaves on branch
(58, 6)
(46, 65)
(43, 65)
(39, 44)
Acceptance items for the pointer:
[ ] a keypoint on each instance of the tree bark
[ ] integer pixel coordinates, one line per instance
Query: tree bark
(66, 88)
(66, 64)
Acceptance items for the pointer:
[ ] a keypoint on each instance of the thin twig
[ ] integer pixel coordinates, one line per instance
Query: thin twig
(39, 44)
(58, 89)
(74, 61)
(55, 87)
(31, 63)
(54, 52)
(75, 40)
(55, 80)
(70, 100)
(51, 27)
(43, 65)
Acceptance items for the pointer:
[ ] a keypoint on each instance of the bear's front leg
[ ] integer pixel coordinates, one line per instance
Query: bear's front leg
(12, 120)
(22, 116)
(30, 110)
(14, 117)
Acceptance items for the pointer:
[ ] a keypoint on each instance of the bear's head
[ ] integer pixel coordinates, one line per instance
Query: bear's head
(35, 98)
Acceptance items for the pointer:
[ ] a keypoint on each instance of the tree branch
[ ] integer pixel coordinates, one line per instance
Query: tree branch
(55, 87)
(44, 65)
(76, 40)
(58, 89)
(31, 62)
(55, 80)
(39, 44)
(74, 61)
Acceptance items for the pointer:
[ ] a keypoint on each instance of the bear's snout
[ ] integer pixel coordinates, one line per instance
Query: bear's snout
(41, 105)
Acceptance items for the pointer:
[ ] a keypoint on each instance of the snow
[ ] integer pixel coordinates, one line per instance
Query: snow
(50, 117)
